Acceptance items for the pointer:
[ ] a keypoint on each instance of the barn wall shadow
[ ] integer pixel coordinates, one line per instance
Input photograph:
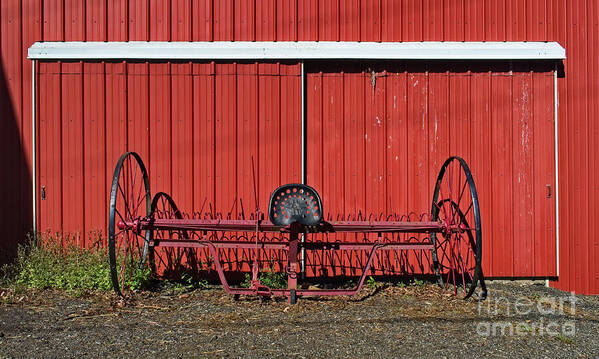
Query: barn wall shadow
(15, 185)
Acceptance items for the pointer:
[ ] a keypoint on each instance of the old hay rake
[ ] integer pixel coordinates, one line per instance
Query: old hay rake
(148, 233)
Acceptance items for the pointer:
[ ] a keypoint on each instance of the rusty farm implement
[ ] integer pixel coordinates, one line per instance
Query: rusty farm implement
(150, 233)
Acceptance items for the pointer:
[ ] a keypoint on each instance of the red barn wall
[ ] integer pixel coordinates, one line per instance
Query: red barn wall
(86, 119)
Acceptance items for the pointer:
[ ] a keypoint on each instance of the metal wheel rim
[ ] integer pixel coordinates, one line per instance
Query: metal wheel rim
(133, 247)
(451, 246)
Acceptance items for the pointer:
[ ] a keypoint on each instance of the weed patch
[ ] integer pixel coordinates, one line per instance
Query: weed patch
(46, 264)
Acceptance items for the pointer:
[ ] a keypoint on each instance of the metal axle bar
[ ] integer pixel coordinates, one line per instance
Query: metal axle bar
(237, 225)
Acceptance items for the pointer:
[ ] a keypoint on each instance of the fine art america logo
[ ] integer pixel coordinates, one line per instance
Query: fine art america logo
(552, 316)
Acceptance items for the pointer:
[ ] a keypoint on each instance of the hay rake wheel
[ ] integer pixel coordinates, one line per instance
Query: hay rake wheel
(129, 201)
(457, 258)
(168, 258)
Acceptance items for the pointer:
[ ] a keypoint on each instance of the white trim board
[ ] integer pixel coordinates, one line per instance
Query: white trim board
(303, 50)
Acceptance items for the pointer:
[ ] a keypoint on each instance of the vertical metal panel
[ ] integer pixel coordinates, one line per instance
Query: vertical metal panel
(269, 144)
(94, 152)
(307, 20)
(328, 20)
(117, 20)
(31, 32)
(482, 100)
(286, 19)
(226, 138)
(480, 114)
(391, 20)
(247, 134)
(349, 20)
(50, 151)
(72, 151)
(182, 151)
(203, 136)
(524, 139)
(160, 139)
(412, 20)
(245, 16)
(160, 18)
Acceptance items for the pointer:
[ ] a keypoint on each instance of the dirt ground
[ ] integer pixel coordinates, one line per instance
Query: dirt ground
(518, 320)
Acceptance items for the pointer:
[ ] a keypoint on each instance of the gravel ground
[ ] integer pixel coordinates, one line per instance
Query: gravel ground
(520, 319)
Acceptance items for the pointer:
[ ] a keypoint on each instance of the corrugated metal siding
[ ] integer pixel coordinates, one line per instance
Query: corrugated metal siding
(574, 24)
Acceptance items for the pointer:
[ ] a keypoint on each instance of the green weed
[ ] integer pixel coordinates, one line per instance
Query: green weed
(565, 339)
(44, 263)
(270, 278)
(371, 283)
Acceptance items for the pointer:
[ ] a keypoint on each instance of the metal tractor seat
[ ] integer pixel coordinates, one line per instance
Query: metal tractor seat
(295, 202)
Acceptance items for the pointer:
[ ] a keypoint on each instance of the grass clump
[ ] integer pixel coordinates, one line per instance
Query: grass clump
(269, 278)
(46, 264)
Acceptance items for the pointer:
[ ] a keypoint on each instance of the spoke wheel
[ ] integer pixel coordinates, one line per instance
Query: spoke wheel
(457, 258)
(129, 201)
(169, 262)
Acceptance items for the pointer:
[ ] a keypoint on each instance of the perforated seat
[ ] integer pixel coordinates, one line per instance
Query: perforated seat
(295, 203)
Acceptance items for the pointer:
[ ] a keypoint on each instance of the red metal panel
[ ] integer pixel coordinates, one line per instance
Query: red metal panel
(495, 19)
(245, 15)
(181, 20)
(53, 12)
(95, 20)
(307, 20)
(203, 24)
(391, 20)
(223, 20)
(139, 20)
(501, 172)
(269, 119)
(248, 137)
(474, 21)
(397, 154)
(159, 159)
(182, 150)
(412, 23)
(375, 141)
(480, 114)
(441, 118)
(286, 19)
(203, 136)
(524, 139)
(116, 120)
(515, 13)
(418, 126)
(50, 151)
(328, 20)
(266, 26)
(432, 22)
(353, 139)
(160, 18)
(370, 20)
(226, 138)
(138, 106)
(31, 32)
(117, 20)
(72, 150)
(94, 152)
(291, 124)
(544, 174)
(349, 20)
(314, 137)
(593, 70)
(454, 20)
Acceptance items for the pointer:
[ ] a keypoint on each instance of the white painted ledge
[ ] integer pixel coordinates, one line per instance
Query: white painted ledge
(242, 50)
